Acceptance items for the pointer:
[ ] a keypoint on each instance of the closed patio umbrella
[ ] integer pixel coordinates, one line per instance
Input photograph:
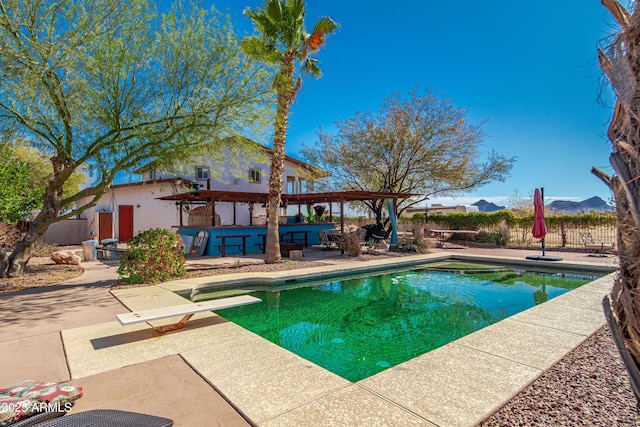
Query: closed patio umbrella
(539, 229)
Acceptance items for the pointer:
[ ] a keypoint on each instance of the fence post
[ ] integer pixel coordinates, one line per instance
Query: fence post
(418, 229)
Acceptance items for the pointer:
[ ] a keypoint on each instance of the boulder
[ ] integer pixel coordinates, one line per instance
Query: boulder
(65, 257)
(382, 246)
(295, 255)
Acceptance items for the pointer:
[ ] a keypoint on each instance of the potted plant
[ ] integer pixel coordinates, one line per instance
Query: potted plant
(319, 210)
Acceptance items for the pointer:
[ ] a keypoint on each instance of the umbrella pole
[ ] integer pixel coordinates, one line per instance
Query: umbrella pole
(542, 197)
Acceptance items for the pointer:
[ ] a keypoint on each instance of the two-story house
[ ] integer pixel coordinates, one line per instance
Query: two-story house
(127, 209)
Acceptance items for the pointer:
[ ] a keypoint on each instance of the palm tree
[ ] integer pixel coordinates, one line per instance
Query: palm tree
(620, 61)
(283, 42)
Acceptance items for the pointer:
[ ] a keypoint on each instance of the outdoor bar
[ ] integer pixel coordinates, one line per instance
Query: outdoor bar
(242, 239)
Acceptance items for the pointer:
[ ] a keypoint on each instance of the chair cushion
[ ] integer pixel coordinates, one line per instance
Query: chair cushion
(21, 400)
(14, 408)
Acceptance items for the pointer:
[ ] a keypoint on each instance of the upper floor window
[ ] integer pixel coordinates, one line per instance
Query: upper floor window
(291, 185)
(255, 175)
(296, 186)
(202, 172)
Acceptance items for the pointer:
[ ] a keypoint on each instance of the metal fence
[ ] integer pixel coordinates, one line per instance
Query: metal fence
(565, 238)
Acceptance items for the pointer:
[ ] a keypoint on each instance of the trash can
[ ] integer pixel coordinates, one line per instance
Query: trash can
(90, 250)
(110, 248)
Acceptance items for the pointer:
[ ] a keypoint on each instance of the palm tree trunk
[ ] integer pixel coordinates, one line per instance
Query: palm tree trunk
(621, 63)
(286, 96)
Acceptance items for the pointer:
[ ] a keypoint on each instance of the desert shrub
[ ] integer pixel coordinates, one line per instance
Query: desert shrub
(416, 245)
(498, 237)
(351, 244)
(152, 256)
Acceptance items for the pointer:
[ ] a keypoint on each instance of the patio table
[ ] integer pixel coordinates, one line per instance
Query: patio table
(242, 247)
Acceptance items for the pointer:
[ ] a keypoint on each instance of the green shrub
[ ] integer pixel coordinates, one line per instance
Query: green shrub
(152, 256)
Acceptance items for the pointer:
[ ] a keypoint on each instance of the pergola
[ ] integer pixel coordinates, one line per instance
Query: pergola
(213, 196)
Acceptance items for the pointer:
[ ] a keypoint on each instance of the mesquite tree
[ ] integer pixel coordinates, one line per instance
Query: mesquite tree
(109, 86)
(420, 144)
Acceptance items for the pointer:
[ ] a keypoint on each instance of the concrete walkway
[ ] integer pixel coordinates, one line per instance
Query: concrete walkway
(215, 373)
(31, 326)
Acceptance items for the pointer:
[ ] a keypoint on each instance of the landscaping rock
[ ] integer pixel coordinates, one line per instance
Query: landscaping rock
(66, 257)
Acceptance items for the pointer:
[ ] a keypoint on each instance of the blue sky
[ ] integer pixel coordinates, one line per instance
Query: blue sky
(528, 70)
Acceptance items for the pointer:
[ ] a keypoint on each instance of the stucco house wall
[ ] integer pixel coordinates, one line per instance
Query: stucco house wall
(148, 211)
(237, 173)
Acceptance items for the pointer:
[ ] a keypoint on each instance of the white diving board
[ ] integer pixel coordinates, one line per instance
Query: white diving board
(186, 310)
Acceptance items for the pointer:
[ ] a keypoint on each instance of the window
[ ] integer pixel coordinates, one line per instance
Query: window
(152, 174)
(202, 172)
(297, 186)
(291, 185)
(255, 175)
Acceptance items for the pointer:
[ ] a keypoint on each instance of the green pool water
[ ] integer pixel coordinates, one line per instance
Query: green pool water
(358, 326)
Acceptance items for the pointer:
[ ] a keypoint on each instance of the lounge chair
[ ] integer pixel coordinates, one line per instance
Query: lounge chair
(44, 404)
(598, 248)
(107, 418)
(32, 401)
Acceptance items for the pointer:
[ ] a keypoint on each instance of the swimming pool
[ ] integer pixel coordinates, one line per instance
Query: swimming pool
(360, 325)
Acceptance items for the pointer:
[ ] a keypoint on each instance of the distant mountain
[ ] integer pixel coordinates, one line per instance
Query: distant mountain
(590, 205)
(484, 206)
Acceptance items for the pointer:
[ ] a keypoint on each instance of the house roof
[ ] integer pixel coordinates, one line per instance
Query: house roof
(316, 172)
(183, 181)
(291, 199)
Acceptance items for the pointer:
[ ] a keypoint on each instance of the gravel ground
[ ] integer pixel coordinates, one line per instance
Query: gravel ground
(40, 271)
(588, 387)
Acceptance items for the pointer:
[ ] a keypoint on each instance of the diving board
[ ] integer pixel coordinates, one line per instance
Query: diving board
(185, 310)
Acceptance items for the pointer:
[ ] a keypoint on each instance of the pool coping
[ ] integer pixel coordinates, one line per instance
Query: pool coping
(317, 273)
(456, 385)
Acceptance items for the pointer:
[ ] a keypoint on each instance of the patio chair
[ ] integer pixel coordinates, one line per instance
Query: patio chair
(327, 239)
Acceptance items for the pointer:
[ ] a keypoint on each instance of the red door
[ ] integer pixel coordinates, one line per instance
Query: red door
(125, 223)
(105, 225)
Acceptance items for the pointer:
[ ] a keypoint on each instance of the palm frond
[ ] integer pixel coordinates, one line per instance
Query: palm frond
(255, 47)
(325, 26)
(297, 9)
(312, 67)
(274, 11)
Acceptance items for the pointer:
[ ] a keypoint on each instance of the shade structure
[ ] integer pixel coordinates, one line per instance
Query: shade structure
(539, 229)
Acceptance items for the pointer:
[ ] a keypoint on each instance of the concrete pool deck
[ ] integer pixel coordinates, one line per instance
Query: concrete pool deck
(456, 385)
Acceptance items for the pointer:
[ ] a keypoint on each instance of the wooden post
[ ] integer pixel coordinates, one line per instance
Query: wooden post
(213, 212)
(234, 213)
